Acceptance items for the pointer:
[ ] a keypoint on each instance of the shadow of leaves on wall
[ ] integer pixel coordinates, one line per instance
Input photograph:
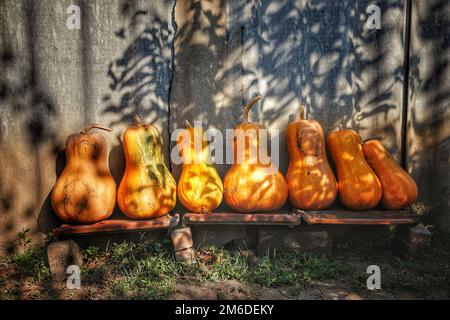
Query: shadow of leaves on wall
(314, 52)
(141, 76)
(320, 53)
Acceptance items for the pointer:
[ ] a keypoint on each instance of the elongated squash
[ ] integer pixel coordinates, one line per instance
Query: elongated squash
(200, 188)
(147, 189)
(359, 187)
(312, 184)
(399, 188)
(85, 192)
(252, 183)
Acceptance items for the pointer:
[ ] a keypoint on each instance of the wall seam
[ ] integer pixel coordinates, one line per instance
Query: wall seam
(405, 97)
(172, 75)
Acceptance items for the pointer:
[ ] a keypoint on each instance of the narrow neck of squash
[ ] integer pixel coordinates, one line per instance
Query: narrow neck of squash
(249, 106)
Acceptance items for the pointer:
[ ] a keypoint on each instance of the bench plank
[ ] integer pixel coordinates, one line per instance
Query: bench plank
(224, 218)
(118, 226)
(373, 217)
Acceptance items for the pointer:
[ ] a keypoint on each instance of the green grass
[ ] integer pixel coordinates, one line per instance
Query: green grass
(95, 275)
(147, 270)
(31, 262)
(139, 270)
(281, 269)
(151, 277)
(225, 266)
(423, 272)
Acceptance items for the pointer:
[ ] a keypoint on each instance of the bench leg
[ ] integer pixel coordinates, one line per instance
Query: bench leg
(183, 245)
(62, 254)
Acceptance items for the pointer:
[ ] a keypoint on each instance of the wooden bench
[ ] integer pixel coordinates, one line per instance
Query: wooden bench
(348, 217)
(180, 225)
(183, 241)
(410, 236)
(116, 226)
(223, 218)
(235, 230)
(63, 253)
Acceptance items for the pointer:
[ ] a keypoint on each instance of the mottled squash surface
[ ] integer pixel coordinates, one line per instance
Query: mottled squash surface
(200, 188)
(359, 187)
(312, 184)
(252, 183)
(399, 188)
(147, 189)
(85, 192)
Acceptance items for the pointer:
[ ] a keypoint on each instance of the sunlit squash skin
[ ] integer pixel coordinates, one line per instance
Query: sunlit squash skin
(359, 187)
(311, 182)
(253, 186)
(85, 192)
(147, 189)
(200, 188)
(399, 188)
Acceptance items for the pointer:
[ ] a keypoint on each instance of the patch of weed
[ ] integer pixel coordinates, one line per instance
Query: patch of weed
(32, 262)
(152, 277)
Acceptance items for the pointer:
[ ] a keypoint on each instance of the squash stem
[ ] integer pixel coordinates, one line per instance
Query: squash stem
(96, 126)
(302, 112)
(138, 120)
(248, 107)
(188, 124)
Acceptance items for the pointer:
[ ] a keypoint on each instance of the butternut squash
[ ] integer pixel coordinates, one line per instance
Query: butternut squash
(252, 183)
(399, 188)
(147, 189)
(85, 192)
(200, 188)
(311, 182)
(359, 187)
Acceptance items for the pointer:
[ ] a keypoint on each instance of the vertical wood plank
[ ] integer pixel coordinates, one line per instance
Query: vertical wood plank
(428, 139)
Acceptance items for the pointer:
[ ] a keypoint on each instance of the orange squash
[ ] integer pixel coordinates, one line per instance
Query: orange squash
(359, 187)
(200, 188)
(252, 184)
(311, 182)
(85, 192)
(399, 188)
(147, 189)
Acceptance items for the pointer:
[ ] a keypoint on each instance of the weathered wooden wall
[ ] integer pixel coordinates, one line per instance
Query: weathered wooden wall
(428, 132)
(55, 80)
(127, 58)
(321, 54)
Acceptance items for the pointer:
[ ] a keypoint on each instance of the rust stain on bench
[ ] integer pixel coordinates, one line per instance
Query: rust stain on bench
(373, 217)
(122, 225)
(224, 218)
